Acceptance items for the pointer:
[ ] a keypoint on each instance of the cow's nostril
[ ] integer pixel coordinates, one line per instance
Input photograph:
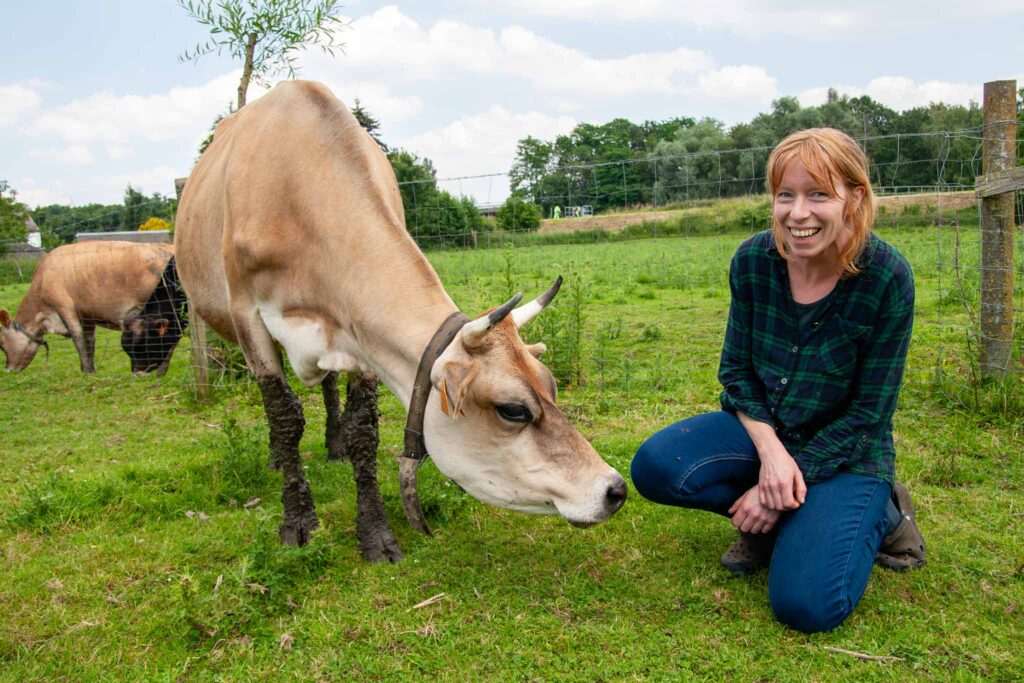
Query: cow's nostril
(616, 495)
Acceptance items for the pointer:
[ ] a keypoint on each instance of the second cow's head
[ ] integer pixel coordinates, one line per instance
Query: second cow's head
(149, 340)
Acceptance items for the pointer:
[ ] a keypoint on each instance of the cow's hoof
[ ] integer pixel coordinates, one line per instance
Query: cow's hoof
(379, 547)
(298, 532)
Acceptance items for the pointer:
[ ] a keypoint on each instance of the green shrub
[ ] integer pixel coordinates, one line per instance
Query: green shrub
(516, 215)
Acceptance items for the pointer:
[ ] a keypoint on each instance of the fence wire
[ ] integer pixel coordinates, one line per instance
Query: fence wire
(714, 195)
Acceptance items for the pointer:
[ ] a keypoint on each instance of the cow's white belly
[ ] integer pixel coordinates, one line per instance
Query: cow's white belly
(305, 342)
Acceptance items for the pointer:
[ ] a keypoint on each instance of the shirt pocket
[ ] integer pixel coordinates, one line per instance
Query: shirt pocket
(836, 360)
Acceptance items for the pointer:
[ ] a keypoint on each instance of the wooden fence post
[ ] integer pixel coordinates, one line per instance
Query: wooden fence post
(197, 333)
(999, 149)
(200, 375)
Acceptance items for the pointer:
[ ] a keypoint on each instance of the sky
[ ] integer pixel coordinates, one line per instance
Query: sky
(93, 96)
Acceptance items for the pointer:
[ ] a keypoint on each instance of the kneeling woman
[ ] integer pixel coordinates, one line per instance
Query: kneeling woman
(801, 456)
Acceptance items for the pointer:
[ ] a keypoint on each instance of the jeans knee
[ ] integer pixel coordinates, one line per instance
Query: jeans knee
(805, 611)
(649, 473)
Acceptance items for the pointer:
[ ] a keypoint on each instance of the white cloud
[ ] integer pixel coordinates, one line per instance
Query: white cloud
(900, 93)
(739, 16)
(818, 20)
(376, 98)
(37, 197)
(73, 155)
(110, 118)
(16, 102)
(484, 142)
(750, 84)
(567, 71)
(389, 41)
(117, 152)
(158, 179)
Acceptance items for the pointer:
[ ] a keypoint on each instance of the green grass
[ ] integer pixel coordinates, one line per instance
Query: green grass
(129, 552)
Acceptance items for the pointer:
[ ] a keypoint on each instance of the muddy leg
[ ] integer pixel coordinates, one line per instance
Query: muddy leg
(376, 540)
(284, 412)
(333, 437)
(89, 338)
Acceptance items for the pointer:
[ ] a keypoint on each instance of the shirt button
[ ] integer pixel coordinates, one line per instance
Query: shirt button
(784, 381)
(795, 348)
(864, 438)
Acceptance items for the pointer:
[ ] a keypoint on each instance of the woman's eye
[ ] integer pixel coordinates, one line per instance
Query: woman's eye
(514, 412)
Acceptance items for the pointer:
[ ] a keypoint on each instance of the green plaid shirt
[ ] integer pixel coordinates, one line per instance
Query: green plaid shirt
(829, 390)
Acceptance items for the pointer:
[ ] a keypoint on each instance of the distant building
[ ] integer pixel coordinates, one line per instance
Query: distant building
(34, 238)
(159, 236)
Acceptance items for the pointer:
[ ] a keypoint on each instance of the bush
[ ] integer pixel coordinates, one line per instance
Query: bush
(155, 223)
(516, 215)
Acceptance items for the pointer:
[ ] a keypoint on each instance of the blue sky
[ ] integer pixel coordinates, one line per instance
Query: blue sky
(93, 97)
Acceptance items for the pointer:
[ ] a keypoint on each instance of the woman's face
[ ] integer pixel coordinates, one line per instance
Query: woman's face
(811, 219)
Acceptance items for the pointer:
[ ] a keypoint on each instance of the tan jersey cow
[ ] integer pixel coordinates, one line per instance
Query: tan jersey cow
(290, 234)
(79, 286)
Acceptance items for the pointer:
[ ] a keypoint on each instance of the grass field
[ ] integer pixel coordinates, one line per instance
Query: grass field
(129, 552)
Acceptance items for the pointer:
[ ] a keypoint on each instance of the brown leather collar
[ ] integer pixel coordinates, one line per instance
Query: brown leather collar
(35, 339)
(415, 446)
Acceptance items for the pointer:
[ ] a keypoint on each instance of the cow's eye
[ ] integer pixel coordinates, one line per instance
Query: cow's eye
(514, 412)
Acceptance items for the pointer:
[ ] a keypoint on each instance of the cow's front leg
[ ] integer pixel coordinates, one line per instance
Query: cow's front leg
(284, 413)
(333, 437)
(77, 334)
(360, 436)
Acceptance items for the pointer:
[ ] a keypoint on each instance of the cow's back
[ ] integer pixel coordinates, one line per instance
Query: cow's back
(291, 201)
(104, 281)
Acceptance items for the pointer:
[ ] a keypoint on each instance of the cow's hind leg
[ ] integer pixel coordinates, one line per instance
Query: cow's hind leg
(376, 540)
(333, 438)
(284, 413)
(89, 342)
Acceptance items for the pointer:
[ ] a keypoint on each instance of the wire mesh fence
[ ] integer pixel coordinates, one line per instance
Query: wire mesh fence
(692, 210)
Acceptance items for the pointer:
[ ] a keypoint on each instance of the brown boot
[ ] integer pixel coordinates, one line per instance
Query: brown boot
(749, 553)
(902, 549)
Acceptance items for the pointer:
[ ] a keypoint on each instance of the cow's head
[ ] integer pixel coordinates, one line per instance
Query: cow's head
(492, 425)
(18, 344)
(149, 340)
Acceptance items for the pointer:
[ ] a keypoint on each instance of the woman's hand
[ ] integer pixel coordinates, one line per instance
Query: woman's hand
(780, 484)
(750, 516)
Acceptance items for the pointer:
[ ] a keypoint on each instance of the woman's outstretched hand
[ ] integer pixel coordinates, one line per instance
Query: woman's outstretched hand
(750, 516)
(780, 484)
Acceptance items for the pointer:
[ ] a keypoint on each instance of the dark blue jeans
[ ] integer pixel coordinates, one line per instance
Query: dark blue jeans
(824, 549)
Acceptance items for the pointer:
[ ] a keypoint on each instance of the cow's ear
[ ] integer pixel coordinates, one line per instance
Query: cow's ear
(5, 318)
(161, 325)
(536, 350)
(456, 377)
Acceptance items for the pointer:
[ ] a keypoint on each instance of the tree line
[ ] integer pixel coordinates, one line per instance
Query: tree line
(622, 163)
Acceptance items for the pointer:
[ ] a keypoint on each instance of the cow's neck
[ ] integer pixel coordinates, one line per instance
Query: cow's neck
(28, 312)
(396, 355)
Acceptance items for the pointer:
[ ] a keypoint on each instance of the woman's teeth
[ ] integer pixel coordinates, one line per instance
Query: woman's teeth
(805, 233)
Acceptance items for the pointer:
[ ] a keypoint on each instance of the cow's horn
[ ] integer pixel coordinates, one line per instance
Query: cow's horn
(528, 312)
(474, 331)
(407, 468)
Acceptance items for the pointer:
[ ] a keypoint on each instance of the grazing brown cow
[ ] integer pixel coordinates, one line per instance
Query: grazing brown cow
(290, 234)
(77, 287)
